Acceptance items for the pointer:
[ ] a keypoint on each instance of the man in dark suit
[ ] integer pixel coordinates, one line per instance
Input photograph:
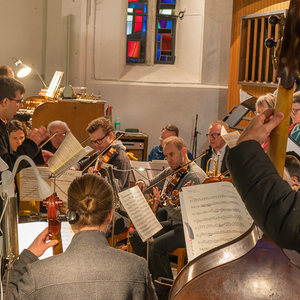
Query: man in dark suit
(217, 148)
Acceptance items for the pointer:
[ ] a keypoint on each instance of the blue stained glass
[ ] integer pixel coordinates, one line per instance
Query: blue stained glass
(145, 8)
(131, 5)
(139, 5)
(158, 55)
(159, 37)
(158, 46)
(169, 24)
(129, 28)
(144, 25)
(168, 1)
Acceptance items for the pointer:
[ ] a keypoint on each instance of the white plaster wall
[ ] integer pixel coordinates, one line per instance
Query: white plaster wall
(149, 107)
(145, 97)
(21, 36)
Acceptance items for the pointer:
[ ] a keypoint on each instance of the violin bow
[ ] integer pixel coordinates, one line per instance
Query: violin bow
(287, 71)
(116, 138)
(51, 137)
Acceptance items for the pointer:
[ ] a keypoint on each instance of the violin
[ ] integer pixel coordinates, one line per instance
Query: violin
(100, 154)
(175, 179)
(103, 159)
(52, 203)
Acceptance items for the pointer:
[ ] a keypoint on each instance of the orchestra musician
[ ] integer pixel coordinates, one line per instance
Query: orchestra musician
(157, 151)
(17, 134)
(11, 98)
(59, 127)
(6, 71)
(171, 236)
(101, 132)
(89, 268)
(217, 146)
(270, 200)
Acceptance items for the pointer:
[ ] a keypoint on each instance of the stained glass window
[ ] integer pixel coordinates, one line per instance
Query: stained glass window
(165, 32)
(136, 31)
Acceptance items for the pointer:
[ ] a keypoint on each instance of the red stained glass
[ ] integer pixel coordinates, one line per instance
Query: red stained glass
(133, 49)
(138, 23)
(166, 42)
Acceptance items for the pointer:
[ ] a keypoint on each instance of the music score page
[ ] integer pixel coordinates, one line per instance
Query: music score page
(213, 214)
(140, 212)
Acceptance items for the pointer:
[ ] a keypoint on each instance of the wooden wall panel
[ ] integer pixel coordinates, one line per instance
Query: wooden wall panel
(241, 8)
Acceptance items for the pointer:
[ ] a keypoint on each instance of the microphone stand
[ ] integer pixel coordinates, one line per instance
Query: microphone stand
(194, 148)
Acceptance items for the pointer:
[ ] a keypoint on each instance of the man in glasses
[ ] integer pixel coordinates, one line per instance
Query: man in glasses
(61, 128)
(101, 133)
(216, 146)
(11, 98)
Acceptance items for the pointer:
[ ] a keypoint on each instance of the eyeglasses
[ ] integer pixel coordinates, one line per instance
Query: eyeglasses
(214, 135)
(295, 110)
(99, 141)
(60, 136)
(18, 101)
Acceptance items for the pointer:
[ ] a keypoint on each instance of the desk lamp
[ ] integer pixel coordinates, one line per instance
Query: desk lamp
(24, 70)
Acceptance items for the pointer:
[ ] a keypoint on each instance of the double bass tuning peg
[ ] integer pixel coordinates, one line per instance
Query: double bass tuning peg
(274, 19)
(270, 43)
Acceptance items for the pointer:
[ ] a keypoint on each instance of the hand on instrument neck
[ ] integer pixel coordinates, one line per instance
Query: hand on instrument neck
(261, 126)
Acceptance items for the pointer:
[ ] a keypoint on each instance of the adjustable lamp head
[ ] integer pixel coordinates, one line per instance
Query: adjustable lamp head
(22, 70)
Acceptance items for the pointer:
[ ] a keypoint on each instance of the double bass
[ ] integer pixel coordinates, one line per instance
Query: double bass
(251, 266)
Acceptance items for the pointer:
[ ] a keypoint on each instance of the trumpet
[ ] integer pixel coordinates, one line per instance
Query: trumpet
(216, 163)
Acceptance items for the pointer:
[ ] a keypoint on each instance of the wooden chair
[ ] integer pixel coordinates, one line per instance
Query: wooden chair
(181, 255)
(119, 237)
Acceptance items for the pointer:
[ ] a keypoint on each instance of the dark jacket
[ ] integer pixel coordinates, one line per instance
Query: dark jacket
(119, 160)
(271, 202)
(28, 148)
(207, 156)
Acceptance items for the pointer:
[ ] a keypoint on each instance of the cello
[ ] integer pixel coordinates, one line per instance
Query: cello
(251, 267)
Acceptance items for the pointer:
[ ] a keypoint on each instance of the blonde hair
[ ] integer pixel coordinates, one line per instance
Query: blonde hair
(268, 99)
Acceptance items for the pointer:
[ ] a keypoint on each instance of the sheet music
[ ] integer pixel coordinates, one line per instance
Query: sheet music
(213, 214)
(158, 166)
(29, 231)
(231, 138)
(292, 145)
(68, 153)
(146, 174)
(140, 213)
(28, 184)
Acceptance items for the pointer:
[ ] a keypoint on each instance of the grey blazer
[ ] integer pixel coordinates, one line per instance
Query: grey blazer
(88, 269)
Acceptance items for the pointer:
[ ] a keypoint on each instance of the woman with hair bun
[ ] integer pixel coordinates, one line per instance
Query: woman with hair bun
(89, 268)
